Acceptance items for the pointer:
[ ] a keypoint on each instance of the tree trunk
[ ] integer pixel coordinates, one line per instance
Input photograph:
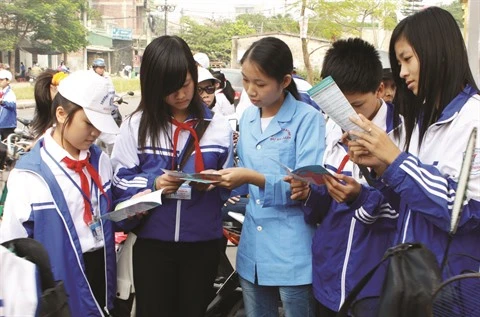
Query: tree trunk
(306, 55)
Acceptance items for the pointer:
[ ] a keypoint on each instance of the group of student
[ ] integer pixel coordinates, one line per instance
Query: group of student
(413, 150)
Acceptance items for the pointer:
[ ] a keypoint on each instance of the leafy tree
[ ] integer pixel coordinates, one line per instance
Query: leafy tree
(56, 24)
(277, 23)
(411, 6)
(214, 38)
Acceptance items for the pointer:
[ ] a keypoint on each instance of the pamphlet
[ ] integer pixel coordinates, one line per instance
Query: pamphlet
(195, 177)
(332, 101)
(312, 174)
(134, 206)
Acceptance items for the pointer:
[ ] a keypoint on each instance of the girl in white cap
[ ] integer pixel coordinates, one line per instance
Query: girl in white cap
(207, 90)
(58, 191)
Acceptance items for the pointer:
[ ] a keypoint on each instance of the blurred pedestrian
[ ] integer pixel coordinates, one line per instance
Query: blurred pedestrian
(8, 105)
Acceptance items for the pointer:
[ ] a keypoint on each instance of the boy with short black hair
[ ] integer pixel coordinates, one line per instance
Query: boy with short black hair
(355, 223)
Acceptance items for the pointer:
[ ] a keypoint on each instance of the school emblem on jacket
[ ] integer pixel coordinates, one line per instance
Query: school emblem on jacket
(284, 134)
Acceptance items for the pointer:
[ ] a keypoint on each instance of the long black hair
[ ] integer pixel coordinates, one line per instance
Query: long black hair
(226, 86)
(165, 64)
(437, 41)
(275, 59)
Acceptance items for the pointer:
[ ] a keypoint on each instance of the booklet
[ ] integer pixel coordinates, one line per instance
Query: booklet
(195, 177)
(334, 103)
(133, 206)
(312, 174)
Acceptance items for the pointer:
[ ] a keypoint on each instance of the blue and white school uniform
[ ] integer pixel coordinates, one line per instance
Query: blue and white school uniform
(178, 220)
(8, 109)
(44, 204)
(426, 180)
(350, 238)
(276, 242)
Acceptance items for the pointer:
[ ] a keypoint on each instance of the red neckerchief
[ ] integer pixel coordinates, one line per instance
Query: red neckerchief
(198, 154)
(78, 166)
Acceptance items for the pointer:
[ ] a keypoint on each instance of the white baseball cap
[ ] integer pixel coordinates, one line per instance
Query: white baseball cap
(94, 94)
(5, 74)
(202, 59)
(204, 74)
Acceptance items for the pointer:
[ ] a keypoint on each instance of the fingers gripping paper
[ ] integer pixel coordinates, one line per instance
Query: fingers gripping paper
(332, 101)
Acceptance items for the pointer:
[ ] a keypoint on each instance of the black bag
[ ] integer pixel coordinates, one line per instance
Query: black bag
(413, 275)
(53, 301)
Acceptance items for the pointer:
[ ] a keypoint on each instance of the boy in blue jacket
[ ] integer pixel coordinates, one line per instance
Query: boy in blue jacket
(355, 222)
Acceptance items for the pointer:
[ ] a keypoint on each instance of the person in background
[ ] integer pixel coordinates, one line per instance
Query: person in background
(72, 180)
(8, 105)
(207, 90)
(36, 70)
(440, 102)
(355, 223)
(46, 87)
(176, 254)
(303, 86)
(274, 258)
(22, 70)
(202, 60)
(224, 86)
(389, 87)
(107, 140)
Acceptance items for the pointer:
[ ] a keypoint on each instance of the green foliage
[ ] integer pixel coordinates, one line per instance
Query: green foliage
(214, 38)
(334, 18)
(455, 8)
(56, 23)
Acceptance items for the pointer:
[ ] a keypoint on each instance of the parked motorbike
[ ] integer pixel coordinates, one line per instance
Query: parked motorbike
(105, 141)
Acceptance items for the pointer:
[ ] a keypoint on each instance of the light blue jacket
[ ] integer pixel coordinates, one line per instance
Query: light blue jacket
(276, 241)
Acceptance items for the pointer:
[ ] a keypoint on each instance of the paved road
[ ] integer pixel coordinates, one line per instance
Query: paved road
(26, 108)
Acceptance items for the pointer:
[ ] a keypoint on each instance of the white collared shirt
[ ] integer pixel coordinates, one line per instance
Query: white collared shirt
(73, 196)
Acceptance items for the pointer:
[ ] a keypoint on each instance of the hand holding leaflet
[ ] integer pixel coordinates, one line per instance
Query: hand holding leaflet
(205, 178)
(332, 101)
(134, 206)
(312, 174)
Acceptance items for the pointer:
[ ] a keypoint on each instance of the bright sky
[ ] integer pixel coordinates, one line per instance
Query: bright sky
(225, 8)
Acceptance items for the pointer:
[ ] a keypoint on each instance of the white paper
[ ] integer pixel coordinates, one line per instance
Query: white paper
(332, 101)
(134, 206)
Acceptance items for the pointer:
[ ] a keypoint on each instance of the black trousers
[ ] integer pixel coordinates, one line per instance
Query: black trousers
(174, 278)
(95, 272)
(323, 311)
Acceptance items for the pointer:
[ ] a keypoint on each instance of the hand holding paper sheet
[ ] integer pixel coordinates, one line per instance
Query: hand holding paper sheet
(206, 178)
(312, 174)
(332, 101)
(134, 206)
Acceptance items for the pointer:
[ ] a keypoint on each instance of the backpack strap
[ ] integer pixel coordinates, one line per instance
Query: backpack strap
(361, 284)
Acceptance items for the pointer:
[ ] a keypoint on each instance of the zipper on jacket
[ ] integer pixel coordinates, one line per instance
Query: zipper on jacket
(345, 261)
(177, 220)
(71, 243)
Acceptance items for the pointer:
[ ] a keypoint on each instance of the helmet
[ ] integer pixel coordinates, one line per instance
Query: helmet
(99, 62)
